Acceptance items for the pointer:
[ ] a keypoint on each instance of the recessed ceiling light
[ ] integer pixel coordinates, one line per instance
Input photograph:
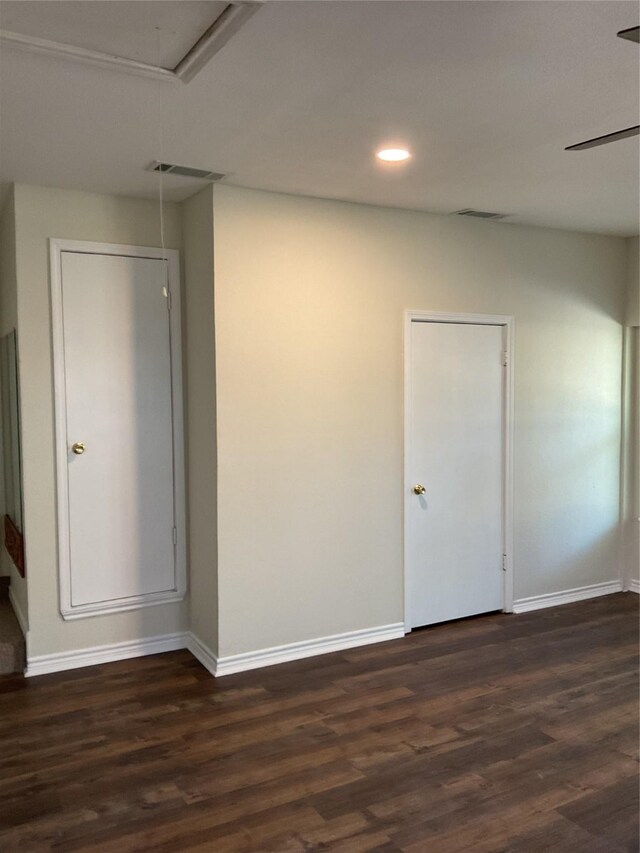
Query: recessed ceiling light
(393, 155)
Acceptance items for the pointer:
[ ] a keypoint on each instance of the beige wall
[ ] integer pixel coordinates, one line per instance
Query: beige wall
(309, 306)
(301, 388)
(201, 415)
(9, 321)
(631, 446)
(40, 214)
(631, 508)
(633, 282)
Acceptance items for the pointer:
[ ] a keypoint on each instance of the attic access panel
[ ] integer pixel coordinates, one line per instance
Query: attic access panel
(161, 38)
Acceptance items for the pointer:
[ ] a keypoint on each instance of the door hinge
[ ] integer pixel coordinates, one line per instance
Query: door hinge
(505, 358)
(167, 295)
(175, 535)
(504, 562)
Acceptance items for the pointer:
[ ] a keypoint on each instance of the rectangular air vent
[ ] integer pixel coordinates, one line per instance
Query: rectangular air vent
(480, 214)
(183, 171)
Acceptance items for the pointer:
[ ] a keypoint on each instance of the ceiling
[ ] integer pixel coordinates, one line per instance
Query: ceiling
(486, 94)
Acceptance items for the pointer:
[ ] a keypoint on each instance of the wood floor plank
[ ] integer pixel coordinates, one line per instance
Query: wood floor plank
(610, 813)
(501, 734)
(562, 835)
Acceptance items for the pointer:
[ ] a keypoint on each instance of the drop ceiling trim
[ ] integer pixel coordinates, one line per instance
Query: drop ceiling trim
(32, 44)
(213, 40)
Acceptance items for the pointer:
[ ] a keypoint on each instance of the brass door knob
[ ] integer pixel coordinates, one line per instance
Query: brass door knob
(418, 489)
(78, 448)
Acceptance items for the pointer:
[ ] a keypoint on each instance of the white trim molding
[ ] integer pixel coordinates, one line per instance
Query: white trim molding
(308, 648)
(32, 44)
(507, 323)
(202, 653)
(58, 662)
(177, 593)
(566, 596)
(231, 664)
(213, 40)
(61, 661)
(634, 585)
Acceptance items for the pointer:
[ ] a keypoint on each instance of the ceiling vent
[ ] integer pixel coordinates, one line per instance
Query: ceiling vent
(183, 171)
(480, 214)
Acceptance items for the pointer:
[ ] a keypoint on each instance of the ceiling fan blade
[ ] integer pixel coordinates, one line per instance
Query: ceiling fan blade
(632, 33)
(603, 140)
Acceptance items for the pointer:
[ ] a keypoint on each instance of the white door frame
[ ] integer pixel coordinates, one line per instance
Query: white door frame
(56, 248)
(508, 326)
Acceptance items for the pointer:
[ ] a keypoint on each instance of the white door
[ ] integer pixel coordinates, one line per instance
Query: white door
(119, 430)
(455, 434)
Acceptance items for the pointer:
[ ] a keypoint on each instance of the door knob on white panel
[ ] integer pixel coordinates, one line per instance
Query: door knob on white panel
(78, 448)
(418, 489)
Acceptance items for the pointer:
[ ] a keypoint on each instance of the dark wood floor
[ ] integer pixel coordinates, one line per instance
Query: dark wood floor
(502, 733)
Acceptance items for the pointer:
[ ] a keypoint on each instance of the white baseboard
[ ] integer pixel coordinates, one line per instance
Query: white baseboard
(634, 585)
(43, 664)
(307, 648)
(20, 616)
(202, 652)
(567, 596)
